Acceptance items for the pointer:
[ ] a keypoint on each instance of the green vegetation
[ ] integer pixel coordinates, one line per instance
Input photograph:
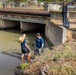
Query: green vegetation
(38, 1)
(23, 65)
(44, 0)
(51, 0)
(19, 1)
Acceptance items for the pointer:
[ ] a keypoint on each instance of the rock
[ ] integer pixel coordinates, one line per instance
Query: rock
(28, 72)
(56, 59)
(19, 71)
(43, 71)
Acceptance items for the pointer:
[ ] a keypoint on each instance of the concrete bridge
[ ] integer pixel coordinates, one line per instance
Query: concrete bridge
(34, 19)
(12, 17)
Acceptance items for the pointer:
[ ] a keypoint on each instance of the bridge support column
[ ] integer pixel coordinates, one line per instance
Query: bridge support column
(55, 33)
(8, 24)
(1, 23)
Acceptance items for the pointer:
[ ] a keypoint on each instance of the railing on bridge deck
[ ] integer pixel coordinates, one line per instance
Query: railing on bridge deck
(57, 14)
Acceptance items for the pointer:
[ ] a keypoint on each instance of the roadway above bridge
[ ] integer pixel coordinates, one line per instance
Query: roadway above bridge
(25, 11)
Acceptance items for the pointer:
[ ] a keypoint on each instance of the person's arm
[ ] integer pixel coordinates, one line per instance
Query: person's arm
(26, 46)
(33, 43)
(42, 42)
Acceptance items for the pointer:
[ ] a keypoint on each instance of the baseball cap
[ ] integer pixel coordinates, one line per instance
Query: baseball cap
(37, 34)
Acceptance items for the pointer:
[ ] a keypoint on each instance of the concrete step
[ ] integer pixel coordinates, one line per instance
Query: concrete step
(72, 26)
(72, 21)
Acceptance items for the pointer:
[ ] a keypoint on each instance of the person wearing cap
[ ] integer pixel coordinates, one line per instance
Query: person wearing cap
(24, 47)
(64, 13)
(39, 43)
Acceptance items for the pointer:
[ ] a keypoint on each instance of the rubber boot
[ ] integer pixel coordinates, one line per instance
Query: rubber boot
(29, 56)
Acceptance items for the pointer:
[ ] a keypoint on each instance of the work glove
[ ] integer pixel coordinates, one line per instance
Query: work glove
(32, 44)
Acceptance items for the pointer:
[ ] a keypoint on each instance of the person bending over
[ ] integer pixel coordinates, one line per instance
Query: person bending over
(39, 43)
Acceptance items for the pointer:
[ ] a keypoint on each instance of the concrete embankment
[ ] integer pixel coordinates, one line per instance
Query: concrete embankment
(55, 33)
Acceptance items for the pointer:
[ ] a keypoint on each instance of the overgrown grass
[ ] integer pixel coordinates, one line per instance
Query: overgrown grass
(61, 60)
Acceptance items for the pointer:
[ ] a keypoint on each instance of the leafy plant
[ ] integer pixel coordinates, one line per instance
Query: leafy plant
(23, 65)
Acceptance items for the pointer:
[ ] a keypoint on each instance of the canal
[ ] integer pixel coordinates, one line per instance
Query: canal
(10, 51)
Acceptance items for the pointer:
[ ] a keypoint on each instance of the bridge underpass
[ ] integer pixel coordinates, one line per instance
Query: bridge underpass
(7, 24)
(27, 20)
(23, 26)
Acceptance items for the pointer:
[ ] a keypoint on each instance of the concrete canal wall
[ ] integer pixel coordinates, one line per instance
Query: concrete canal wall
(56, 34)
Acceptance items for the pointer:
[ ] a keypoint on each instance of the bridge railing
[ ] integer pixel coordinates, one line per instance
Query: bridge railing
(57, 14)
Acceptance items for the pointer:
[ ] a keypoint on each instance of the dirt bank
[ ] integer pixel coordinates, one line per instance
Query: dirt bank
(59, 60)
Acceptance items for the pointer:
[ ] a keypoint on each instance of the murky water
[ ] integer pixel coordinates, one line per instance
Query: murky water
(10, 52)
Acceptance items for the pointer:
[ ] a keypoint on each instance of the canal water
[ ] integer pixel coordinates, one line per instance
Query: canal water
(10, 51)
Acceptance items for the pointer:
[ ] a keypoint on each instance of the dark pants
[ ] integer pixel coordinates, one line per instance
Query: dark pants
(24, 50)
(65, 20)
(37, 51)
